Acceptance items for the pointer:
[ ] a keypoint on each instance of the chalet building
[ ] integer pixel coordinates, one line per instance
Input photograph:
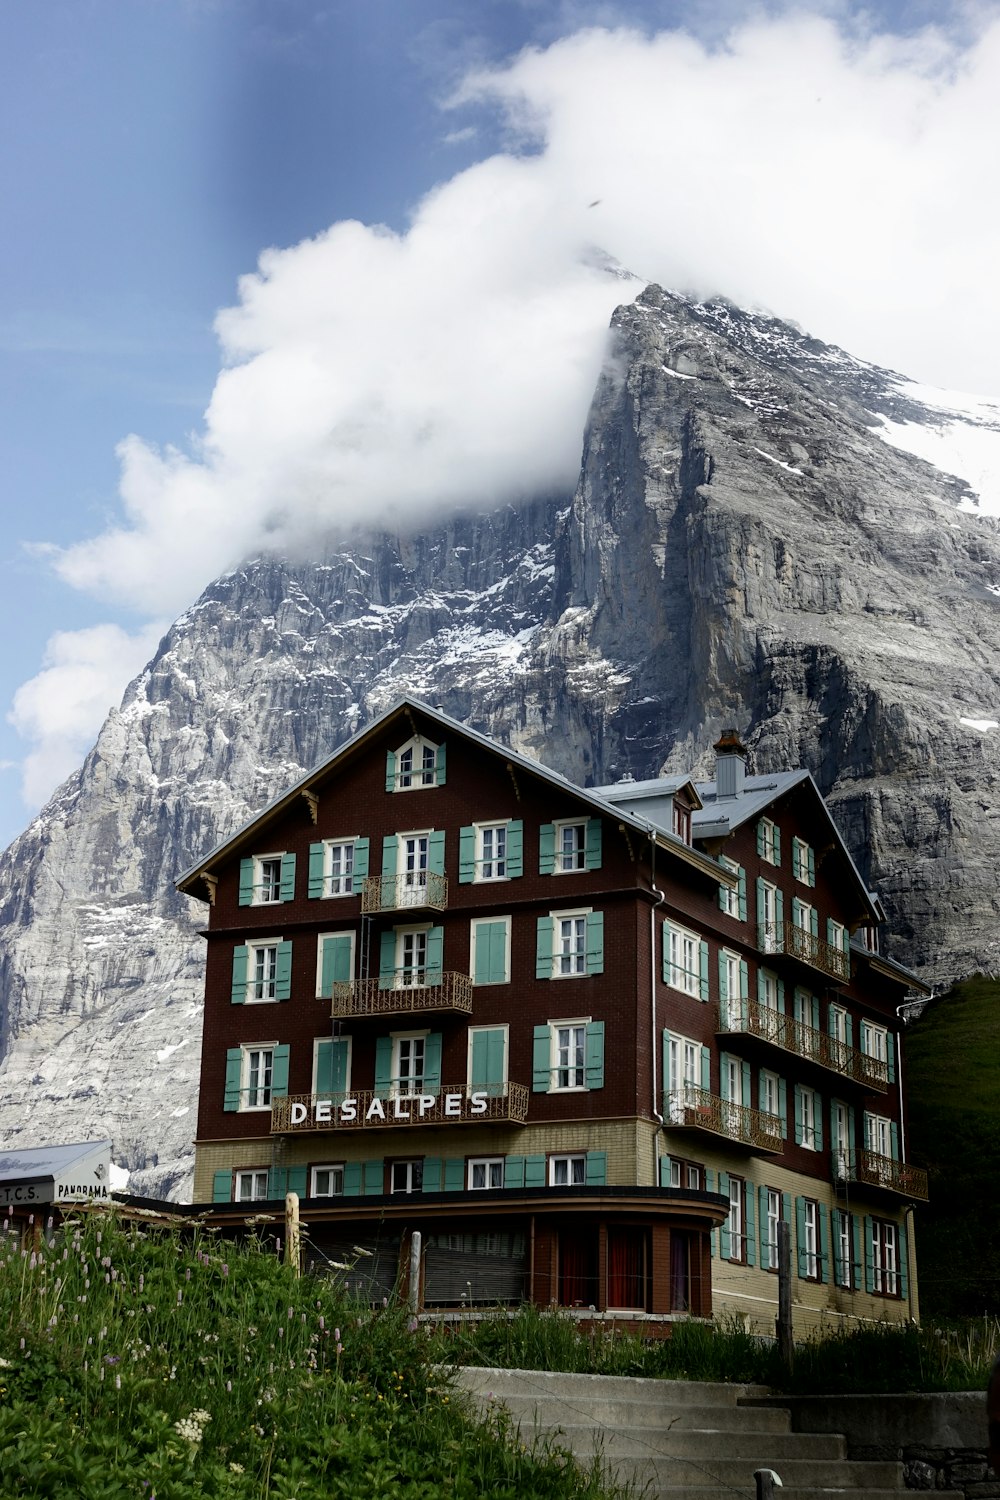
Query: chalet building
(594, 1044)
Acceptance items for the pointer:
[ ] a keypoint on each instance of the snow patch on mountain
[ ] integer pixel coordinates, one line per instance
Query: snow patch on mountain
(959, 434)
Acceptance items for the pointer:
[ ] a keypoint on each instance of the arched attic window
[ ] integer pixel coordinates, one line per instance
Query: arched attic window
(418, 763)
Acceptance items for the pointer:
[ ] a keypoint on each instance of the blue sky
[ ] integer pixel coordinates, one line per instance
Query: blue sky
(150, 150)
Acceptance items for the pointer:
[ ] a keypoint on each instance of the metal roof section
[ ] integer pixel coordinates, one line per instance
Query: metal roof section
(56, 1174)
(890, 968)
(634, 819)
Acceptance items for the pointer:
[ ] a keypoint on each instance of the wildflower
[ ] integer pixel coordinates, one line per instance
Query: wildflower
(187, 1274)
(235, 1468)
(118, 1382)
(180, 1298)
(336, 1335)
(225, 1269)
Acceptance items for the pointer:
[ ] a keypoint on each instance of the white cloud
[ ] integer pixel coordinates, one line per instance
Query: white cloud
(838, 179)
(57, 711)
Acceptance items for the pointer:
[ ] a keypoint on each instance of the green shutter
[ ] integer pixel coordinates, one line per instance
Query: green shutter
(776, 843)
(723, 984)
(440, 765)
(724, 1236)
(277, 1183)
(246, 882)
(234, 1070)
(855, 1251)
(592, 844)
(513, 1172)
(824, 1244)
(435, 852)
(765, 1253)
(595, 942)
(779, 917)
(286, 889)
(780, 987)
(666, 953)
(745, 1080)
(894, 1140)
(724, 1077)
(849, 1029)
(547, 849)
(597, 1168)
(432, 1063)
(813, 922)
(796, 908)
(297, 1181)
(487, 1063)
(706, 1069)
(222, 1187)
(360, 873)
(595, 1055)
(241, 958)
(904, 1265)
(750, 1239)
(811, 864)
(800, 1234)
(541, 1076)
(761, 840)
(390, 771)
(534, 1171)
(331, 1066)
(283, 972)
(710, 1188)
(703, 970)
(454, 1174)
(890, 1055)
(869, 1255)
(352, 1179)
(373, 1178)
(515, 848)
(335, 962)
(387, 960)
(390, 862)
(543, 949)
(814, 1012)
(432, 1174)
(466, 855)
(664, 1171)
(783, 1107)
(743, 894)
(279, 1072)
(317, 864)
(435, 956)
(383, 1065)
(798, 1115)
(760, 901)
(490, 952)
(723, 893)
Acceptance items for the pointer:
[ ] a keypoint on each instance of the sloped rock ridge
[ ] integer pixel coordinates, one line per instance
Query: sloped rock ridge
(742, 549)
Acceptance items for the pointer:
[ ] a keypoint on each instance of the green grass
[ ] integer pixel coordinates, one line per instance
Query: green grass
(165, 1364)
(952, 1058)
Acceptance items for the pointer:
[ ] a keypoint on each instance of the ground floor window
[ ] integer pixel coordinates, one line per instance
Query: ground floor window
(628, 1261)
(680, 1271)
(885, 1258)
(578, 1284)
(567, 1171)
(328, 1182)
(406, 1176)
(251, 1185)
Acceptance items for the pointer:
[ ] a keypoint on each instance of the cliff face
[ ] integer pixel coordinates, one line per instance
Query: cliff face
(742, 548)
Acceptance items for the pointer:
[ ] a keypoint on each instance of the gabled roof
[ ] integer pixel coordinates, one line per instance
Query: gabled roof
(405, 708)
(46, 1161)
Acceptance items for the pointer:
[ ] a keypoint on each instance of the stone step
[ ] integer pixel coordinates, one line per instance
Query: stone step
(646, 1415)
(748, 1492)
(762, 1450)
(660, 1473)
(549, 1382)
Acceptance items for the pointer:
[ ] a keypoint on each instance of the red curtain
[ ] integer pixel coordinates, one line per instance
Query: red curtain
(680, 1271)
(577, 1282)
(626, 1268)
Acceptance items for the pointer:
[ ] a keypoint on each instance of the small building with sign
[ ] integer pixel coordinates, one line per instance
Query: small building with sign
(41, 1181)
(595, 1044)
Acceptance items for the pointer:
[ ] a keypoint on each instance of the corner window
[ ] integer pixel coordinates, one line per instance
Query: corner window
(251, 1185)
(256, 1078)
(568, 1171)
(874, 1041)
(571, 846)
(485, 1172)
(418, 763)
(327, 1181)
(730, 901)
(406, 1176)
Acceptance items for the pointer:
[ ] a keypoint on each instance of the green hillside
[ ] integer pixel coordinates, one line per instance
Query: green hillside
(953, 1071)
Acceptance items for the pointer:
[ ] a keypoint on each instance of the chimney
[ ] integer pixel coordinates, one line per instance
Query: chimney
(730, 765)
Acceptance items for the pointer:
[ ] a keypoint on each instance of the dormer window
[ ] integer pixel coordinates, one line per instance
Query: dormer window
(681, 822)
(418, 763)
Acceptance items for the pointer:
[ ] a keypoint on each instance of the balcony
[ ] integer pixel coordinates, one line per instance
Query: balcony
(401, 993)
(365, 1109)
(868, 1169)
(696, 1109)
(751, 1018)
(417, 890)
(797, 942)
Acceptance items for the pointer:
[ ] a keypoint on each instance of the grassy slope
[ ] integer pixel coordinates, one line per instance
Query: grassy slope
(953, 1074)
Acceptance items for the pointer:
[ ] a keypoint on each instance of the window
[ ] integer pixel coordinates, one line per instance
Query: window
(339, 873)
(808, 1128)
(838, 1023)
(258, 1069)
(491, 851)
(490, 950)
(772, 1213)
(569, 1054)
(411, 958)
(485, 1172)
(488, 1060)
(569, 845)
(567, 1171)
(770, 920)
(262, 971)
(334, 961)
(809, 1248)
(733, 1227)
(874, 1041)
(570, 944)
(837, 936)
(571, 852)
(685, 1073)
(406, 1176)
(733, 990)
(803, 862)
(337, 867)
(692, 1177)
(418, 763)
(685, 961)
(251, 1185)
(770, 1093)
(491, 856)
(409, 1052)
(878, 1135)
(840, 1144)
(328, 1181)
(680, 1174)
(767, 989)
(843, 1235)
(769, 841)
(266, 879)
(733, 902)
(681, 821)
(885, 1257)
(264, 974)
(412, 854)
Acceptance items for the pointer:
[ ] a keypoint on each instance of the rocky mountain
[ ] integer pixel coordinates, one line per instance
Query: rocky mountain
(743, 547)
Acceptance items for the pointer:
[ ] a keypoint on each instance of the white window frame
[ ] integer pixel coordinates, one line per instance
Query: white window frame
(840, 1132)
(768, 983)
(484, 921)
(810, 1250)
(575, 1023)
(259, 861)
(574, 1163)
(255, 946)
(800, 862)
(838, 1024)
(680, 821)
(329, 845)
(773, 1219)
(839, 937)
(257, 1175)
(400, 981)
(495, 1026)
(247, 1050)
(769, 827)
(350, 1059)
(490, 1166)
(580, 853)
(878, 1135)
(481, 829)
(770, 1091)
(843, 1255)
(320, 939)
(396, 1087)
(688, 981)
(734, 1223)
(736, 989)
(875, 1041)
(811, 1106)
(412, 883)
(885, 1257)
(412, 1170)
(675, 1172)
(683, 1072)
(773, 940)
(558, 917)
(692, 1175)
(730, 903)
(420, 775)
(802, 915)
(332, 1167)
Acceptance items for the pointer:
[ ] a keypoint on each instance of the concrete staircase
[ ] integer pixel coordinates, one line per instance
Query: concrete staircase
(678, 1439)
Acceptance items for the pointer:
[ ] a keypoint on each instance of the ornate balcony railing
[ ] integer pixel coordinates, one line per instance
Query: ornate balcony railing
(418, 890)
(796, 942)
(869, 1169)
(405, 991)
(751, 1018)
(697, 1109)
(368, 1109)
